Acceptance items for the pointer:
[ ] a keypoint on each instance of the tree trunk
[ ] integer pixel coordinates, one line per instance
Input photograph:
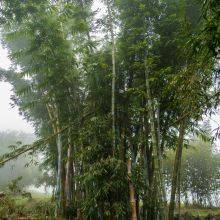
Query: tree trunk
(113, 72)
(132, 193)
(179, 190)
(176, 168)
(146, 171)
(69, 179)
(160, 156)
(60, 185)
(60, 182)
(63, 184)
(156, 153)
(123, 145)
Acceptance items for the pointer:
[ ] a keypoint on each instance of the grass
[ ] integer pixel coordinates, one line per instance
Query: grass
(36, 197)
(38, 207)
(41, 206)
(41, 196)
(201, 212)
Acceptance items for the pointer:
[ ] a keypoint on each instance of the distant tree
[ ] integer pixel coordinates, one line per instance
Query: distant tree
(24, 166)
(200, 173)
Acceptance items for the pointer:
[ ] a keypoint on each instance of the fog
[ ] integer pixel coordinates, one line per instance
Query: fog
(9, 116)
(11, 120)
(23, 166)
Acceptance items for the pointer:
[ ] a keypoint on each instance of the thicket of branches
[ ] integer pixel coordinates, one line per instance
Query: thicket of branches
(106, 110)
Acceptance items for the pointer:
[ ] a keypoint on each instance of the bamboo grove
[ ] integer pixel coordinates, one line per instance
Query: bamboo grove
(108, 93)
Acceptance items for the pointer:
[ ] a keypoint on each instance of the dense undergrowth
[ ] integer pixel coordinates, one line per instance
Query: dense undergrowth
(39, 206)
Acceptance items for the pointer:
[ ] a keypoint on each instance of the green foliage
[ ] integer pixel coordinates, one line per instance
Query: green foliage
(210, 32)
(199, 173)
(64, 88)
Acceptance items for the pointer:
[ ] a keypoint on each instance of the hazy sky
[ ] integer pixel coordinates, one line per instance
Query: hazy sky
(9, 117)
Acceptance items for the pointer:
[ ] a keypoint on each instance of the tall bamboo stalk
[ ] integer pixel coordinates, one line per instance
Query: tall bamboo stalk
(160, 156)
(111, 27)
(69, 176)
(177, 163)
(179, 191)
(60, 184)
(60, 171)
(132, 193)
(156, 154)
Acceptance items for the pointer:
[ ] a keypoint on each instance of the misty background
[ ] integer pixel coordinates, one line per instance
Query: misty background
(15, 131)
